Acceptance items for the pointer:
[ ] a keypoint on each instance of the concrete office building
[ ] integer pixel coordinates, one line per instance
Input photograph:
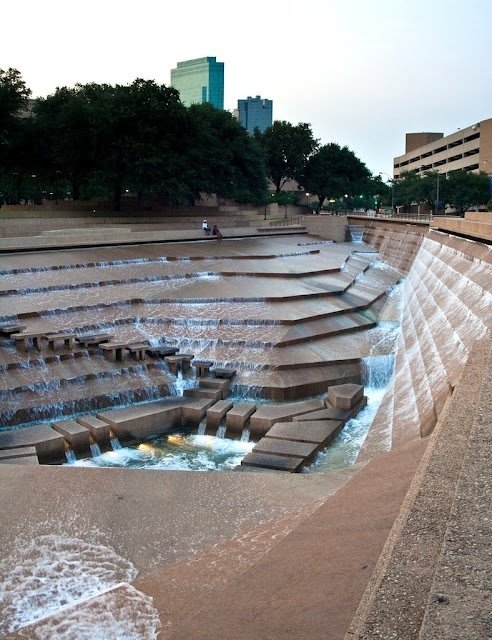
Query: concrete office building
(200, 80)
(468, 149)
(255, 113)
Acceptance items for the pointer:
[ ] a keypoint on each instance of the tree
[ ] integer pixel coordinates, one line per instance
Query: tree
(466, 189)
(13, 98)
(221, 158)
(65, 120)
(133, 131)
(407, 190)
(287, 148)
(333, 172)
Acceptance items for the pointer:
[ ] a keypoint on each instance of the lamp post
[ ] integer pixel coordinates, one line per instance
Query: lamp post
(437, 193)
(392, 180)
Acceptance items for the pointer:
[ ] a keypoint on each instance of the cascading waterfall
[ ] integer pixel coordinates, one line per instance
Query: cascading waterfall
(201, 429)
(343, 452)
(245, 435)
(221, 431)
(356, 233)
(95, 450)
(70, 456)
(115, 443)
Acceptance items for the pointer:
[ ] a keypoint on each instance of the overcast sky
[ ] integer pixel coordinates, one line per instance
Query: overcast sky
(361, 72)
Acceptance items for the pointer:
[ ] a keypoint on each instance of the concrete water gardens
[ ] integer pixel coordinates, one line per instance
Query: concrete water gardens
(258, 554)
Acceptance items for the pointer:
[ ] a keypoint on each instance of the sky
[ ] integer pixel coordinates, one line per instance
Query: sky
(362, 73)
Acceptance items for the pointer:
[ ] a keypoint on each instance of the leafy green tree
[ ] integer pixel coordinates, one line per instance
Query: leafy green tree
(407, 190)
(133, 134)
(14, 96)
(432, 185)
(221, 157)
(467, 189)
(287, 148)
(333, 172)
(65, 120)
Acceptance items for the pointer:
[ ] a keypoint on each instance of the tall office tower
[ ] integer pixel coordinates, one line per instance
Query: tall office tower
(255, 113)
(200, 80)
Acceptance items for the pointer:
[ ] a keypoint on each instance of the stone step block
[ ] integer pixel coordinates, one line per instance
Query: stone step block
(213, 394)
(268, 414)
(215, 383)
(217, 412)
(240, 413)
(194, 410)
(320, 432)
(344, 414)
(139, 421)
(269, 461)
(345, 396)
(74, 433)
(99, 429)
(289, 448)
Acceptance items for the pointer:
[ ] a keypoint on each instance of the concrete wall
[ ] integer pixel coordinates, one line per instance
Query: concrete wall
(327, 227)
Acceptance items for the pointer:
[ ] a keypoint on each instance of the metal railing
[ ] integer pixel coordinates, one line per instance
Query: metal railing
(424, 218)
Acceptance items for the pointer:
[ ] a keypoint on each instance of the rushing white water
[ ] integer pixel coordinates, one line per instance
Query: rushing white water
(70, 456)
(343, 451)
(177, 451)
(95, 450)
(356, 233)
(49, 579)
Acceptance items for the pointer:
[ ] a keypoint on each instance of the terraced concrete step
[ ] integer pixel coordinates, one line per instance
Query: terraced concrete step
(93, 394)
(274, 462)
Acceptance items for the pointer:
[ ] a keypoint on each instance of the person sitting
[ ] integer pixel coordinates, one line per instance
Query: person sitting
(216, 232)
(206, 228)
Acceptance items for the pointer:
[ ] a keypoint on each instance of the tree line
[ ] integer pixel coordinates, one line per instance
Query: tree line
(100, 140)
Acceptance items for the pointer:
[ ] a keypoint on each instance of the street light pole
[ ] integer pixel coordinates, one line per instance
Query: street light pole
(437, 193)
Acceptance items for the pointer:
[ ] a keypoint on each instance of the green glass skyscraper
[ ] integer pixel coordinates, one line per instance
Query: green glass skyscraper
(200, 80)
